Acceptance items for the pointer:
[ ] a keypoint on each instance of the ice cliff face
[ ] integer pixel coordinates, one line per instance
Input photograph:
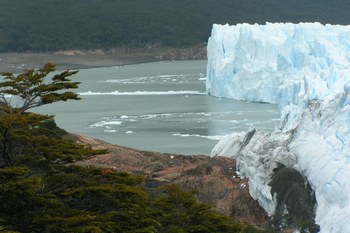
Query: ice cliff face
(305, 69)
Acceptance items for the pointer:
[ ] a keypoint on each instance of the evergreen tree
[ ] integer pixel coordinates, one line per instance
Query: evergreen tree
(179, 212)
(21, 198)
(41, 190)
(30, 89)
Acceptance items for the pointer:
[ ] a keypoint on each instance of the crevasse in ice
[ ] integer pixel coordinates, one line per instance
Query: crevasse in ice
(305, 69)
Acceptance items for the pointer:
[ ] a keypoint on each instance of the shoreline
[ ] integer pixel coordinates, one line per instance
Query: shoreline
(76, 59)
(18, 62)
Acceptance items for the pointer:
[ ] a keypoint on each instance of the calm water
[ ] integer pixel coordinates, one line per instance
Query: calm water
(157, 106)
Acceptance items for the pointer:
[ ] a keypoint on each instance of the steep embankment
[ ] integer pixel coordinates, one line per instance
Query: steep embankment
(214, 178)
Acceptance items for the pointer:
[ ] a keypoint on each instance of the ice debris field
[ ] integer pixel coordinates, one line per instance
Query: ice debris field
(305, 69)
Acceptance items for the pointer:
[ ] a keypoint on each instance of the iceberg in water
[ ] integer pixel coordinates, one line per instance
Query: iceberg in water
(305, 69)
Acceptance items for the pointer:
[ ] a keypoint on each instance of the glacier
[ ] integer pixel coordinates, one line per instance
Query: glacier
(305, 69)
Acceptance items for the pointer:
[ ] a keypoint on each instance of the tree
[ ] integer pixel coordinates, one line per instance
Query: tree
(18, 93)
(95, 200)
(21, 198)
(179, 212)
(42, 191)
(31, 90)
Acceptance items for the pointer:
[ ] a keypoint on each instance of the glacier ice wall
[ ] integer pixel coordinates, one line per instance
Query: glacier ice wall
(305, 69)
(277, 63)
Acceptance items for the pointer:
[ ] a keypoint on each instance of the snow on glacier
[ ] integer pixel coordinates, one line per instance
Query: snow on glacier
(305, 69)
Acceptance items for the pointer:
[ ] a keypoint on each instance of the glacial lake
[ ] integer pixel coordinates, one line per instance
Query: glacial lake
(158, 106)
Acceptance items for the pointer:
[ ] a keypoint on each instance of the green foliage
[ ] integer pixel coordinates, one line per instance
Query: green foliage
(48, 25)
(42, 191)
(103, 201)
(179, 212)
(18, 127)
(77, 199)
(31, 89)
(67, 198)
(21, 197)
(38, 148)
(3, 230)
(95, 200)
(9, 124)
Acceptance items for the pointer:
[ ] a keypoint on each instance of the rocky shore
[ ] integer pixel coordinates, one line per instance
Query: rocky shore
(214, 178)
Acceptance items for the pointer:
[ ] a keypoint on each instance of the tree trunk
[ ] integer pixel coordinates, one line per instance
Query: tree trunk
(6, 154)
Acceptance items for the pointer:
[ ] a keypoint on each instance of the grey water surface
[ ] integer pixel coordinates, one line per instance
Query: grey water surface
(158, 106)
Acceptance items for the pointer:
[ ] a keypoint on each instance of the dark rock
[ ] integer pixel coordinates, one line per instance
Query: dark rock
(295, 201)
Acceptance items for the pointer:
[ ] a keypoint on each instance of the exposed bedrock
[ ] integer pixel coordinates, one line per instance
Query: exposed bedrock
(295, 201)
(214, 178)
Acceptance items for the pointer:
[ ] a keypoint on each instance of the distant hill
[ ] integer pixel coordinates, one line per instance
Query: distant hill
(51, 25)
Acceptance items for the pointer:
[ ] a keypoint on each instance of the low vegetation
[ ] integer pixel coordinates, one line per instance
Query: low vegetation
(42, 191)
